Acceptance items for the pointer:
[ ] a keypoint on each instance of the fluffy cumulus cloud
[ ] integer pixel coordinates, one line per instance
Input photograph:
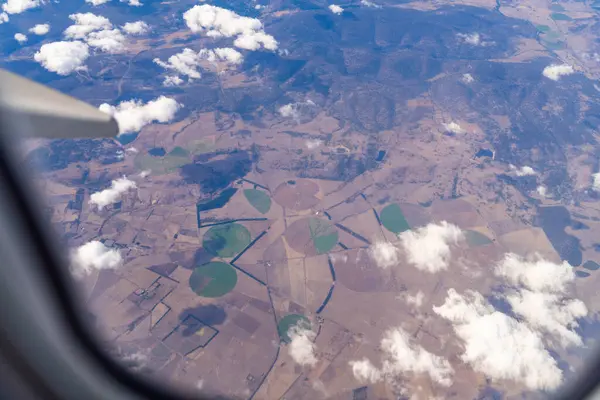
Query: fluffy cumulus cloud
(525, 170)
(468, 78)
(225, 55)
(294, 110)
(550, 313)
(364, 371)
(301, 347)
(96, 2)
(97, 31)
(497, 345)
(539, 296)
(172, 80)
(416, 299)
(184, 63)
(453, 127)
(4, 17)
(385, 254)
(541, 190)
(133, 115)
(112, 194)
(19, 6)
(334, 8)
(86, 23)
(92, 256)
(136, 28)
(368, 3)
(219, 22)
(473, 39)
(107, 40)
(555, 71)
(401, 356)
(40, 29)
(19, 37)
(503, 347)
(536, 274)
(63, 57)
(429, 248)
(187, 62)
(596, 181)
(133, 3)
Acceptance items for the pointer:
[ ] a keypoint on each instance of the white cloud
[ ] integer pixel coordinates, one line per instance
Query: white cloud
(112, 194)
(498, 345)
(40, 29)
(172, 80)
(368, 3)
(539, 296)
(384, 253)
(402, 356)
(523, 171)
(334, 8)
(428, 248)
(287, 110)
(108, 41)
(453, 127)
(85, 23)
(133, 3)
(294, 110)
(468, 78)
(550, 313)
(312, 144)
(473, 39)
(184, 63)
(541, 190)
(226, 55)
(133, 115)
(145, 173)
(92, 256)
(555, 71)
(302, 348)
(596, 181)
(364, 371)
(3, 17)
(63, 57)
(19, 37)
(219, 22)
(136, 28)
(97, 2)
(416, 299)
(187, 62)
(535, 274)
(19, 6)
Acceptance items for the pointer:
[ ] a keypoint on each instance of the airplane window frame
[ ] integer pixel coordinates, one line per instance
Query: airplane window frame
(20, 212)
(44, 267)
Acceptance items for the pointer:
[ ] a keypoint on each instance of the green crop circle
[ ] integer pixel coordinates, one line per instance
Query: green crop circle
(289, 321)
(214, 279)
(226, 240)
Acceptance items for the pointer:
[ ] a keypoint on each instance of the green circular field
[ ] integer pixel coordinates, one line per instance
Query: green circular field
(213, 279)
(289, 321)
(393, 219)
(323, 235)
(258, 199)
(226, 240)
